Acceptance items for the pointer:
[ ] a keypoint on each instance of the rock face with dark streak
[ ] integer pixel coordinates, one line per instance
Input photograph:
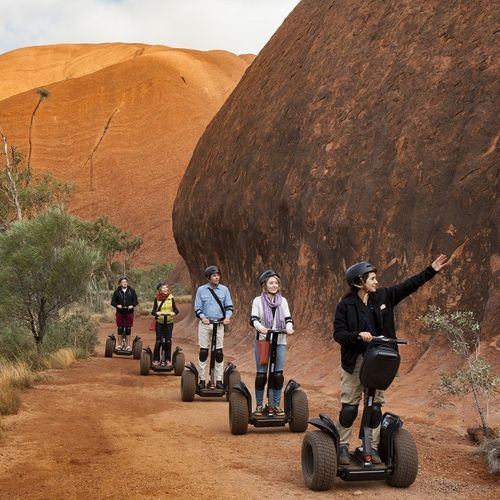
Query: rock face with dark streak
(363, 130)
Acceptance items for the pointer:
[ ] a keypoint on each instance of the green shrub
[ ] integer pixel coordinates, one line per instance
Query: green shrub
(77, 330)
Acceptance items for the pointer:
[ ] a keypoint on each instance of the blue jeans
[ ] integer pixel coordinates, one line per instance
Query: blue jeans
(274, 394)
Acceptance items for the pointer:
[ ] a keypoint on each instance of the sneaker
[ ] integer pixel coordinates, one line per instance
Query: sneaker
(258, 410)
(155, 363)
(278, 411)
(344, 457)
(219, 385)
(129, 348)
(375, 457)
(201, 384)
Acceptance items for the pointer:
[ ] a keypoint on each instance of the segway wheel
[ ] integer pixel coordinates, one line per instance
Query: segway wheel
(319, 460)
(238, 413)
(180, 363)
(300, 412)
(405, 460)
(188, 385)
(234, 378)
(145, 363)
(110, 347)
(137, 349)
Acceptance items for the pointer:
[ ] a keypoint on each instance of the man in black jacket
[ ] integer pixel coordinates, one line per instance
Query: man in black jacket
(363, 313)
(124, 300)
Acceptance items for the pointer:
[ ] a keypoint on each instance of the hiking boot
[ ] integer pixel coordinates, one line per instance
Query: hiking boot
(375, 457)
(219, 385)
(258, 410)
(201, 384)
(278, 411)
(344, 457)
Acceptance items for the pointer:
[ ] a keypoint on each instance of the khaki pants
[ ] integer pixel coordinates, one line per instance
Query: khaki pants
(205, 341)
(352, 393)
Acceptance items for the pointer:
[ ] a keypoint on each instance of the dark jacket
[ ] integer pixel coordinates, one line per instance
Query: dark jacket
(129, 298)
(347, 321)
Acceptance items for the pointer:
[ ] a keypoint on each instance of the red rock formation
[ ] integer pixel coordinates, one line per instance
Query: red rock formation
(121, 121)
(363, 130)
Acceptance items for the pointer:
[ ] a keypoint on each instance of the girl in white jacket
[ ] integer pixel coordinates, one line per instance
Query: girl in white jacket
(270, 311)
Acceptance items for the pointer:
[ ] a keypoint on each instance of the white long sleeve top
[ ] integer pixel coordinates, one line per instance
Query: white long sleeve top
(257, 316)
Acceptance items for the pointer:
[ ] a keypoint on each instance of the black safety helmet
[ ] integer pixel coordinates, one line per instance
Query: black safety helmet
(266, 275)
(211, 270)
(357, 271)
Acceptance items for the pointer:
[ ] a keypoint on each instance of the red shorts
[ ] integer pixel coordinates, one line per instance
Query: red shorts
(125, 319)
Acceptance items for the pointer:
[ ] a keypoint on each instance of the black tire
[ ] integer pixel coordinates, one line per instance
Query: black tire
(137, 349)
(319, 460)
(405, 460)
(188, 385)
(300, 412)
(238, 413)
(180, 363)
(110, 347)
(145, 363)
(234, 378)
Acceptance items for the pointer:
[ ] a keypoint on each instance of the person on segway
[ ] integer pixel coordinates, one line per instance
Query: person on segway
(212, 303)
(270, 311)
(164, 309)
(364, 312)
(124, 300)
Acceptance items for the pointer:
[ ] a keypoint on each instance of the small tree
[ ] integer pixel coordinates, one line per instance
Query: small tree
(46, 266)
(110, 240)
(462, 333)
(21, 196)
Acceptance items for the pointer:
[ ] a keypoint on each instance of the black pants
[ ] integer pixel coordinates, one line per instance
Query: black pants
(163, 340)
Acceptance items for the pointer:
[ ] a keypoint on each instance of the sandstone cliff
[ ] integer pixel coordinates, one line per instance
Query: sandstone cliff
(121, 121)
(362, 131)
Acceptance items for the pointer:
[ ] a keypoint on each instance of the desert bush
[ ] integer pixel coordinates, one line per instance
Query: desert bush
(18, 375)
(77, 331)
(60, 359)
(17, 342)
(10, 402)
(13, 376)
(45, 267)
(462, 332)
(491, 449)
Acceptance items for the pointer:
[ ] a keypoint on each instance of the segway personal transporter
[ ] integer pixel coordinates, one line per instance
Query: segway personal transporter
(397, 449)
(296, 404)
(121, 349)
(176, 366)
(190, 376)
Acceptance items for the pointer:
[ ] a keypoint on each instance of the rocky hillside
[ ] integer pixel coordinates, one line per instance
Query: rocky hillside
(362, 131)
(121, 121)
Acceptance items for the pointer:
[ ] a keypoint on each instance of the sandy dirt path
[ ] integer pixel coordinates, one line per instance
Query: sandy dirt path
(100, 430)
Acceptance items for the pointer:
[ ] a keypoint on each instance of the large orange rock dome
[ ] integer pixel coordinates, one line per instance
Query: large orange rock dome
(121, 121)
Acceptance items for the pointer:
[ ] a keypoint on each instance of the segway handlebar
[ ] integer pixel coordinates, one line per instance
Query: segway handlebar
(283, 332)
(386, 340)
(216, 321)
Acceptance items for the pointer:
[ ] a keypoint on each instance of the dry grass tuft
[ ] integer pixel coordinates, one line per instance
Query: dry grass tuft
(58, 360)
(13, 376)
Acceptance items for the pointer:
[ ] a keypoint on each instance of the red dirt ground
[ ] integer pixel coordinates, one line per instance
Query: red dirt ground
(100, 430)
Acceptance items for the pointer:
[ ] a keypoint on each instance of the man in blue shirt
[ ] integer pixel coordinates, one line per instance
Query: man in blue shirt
(212, 302)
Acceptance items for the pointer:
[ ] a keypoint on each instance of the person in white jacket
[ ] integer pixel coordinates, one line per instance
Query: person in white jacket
(270, 311)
